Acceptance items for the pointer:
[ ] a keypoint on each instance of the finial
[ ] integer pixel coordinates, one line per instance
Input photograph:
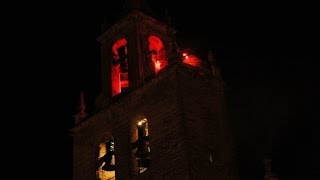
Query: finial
(269, 174)
(213, 64)
(140, 5)
(167, 18)
(82, 113)
(211, 58)
(82, 110)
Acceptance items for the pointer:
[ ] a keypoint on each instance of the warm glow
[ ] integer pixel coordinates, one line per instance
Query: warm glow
(116, 45)
(157, 65)
(142, 121)
(140, 146)
(191, 59)
(105, 175)
(118, 77)
(157, 51)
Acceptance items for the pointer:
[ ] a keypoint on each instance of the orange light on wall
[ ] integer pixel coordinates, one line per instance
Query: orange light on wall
(157, 65)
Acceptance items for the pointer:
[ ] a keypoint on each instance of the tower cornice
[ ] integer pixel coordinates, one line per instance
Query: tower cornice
(133, 17)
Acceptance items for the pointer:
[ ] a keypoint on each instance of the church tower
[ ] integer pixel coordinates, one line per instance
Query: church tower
(161, 112)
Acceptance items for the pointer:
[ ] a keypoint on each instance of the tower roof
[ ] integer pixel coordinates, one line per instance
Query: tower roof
(140, 5)
(127, 7)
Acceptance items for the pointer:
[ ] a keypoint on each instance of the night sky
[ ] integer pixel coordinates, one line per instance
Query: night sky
(264, 49)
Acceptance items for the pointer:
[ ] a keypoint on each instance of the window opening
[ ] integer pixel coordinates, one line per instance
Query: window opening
(141, 147)
(106, 161)
(119, 69)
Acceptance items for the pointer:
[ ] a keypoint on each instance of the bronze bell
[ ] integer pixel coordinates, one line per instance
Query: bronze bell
(142, 144)
(107, 158)
(143, 150)
(108, 167)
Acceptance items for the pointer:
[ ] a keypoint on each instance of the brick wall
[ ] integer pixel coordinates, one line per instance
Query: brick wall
(204, 116)
(189, 138)
(156, 101)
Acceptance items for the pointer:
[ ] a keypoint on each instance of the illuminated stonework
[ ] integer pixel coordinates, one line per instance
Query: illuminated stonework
(106, 171)
(181, 111)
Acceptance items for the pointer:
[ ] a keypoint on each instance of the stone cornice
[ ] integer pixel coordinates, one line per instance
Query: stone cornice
(135, 17)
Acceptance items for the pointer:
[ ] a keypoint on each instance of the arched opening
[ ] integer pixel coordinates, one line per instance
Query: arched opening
(157, 51)
(140, 146)
(119, 69)
(105, 167)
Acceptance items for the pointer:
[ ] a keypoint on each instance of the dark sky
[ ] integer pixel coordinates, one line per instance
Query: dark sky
(265, 51)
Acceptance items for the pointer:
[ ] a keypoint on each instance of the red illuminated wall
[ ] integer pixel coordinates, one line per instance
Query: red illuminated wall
(158, 54)
(191, 59)
(117, 82)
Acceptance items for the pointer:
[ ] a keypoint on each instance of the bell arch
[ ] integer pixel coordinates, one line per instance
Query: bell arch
(119, 68)
(140, 144)
(158, 53)
(105, 155)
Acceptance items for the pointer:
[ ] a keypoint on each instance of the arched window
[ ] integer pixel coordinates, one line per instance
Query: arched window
(105, 167)
(140, 146)
(157, 51)
(119, 69)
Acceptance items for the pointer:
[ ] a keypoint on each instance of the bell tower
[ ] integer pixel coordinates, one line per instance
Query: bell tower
(161, 112)
(127, 48)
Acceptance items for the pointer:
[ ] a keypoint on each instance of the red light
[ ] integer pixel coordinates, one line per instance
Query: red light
(159, 57)
(184, 54)
(187, 57)
(157, 66)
